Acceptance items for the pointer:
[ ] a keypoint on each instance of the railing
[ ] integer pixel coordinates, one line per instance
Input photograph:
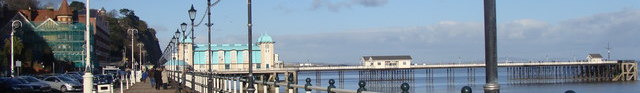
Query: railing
(236, 84)
(511, 64)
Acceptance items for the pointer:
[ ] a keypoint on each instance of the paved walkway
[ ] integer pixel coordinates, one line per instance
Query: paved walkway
(145, 87)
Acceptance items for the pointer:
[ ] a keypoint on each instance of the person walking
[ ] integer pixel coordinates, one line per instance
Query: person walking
(145, 73)
(158, 77)
(165, 78)
(152, 76)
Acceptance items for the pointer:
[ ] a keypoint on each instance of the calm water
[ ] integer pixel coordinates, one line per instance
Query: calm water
(442, 84)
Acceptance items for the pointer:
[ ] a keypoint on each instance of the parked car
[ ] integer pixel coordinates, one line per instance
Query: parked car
(14, 85)
(72, 76)
(37, 84)
(63, 84)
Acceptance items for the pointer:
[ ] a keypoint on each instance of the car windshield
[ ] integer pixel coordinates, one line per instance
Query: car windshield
(31, 79)
(65, 79)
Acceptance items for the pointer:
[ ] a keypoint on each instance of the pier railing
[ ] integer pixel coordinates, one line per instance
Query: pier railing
(237, 84)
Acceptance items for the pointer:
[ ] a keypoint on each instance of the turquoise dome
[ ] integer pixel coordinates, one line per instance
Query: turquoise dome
(265, 38)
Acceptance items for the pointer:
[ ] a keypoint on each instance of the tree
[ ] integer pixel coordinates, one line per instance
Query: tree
(75, 5)
(22, 4)
(6, 52)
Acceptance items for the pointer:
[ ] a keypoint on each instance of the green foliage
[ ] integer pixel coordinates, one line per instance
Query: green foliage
(127, 19)
(75, 5)
(21, 4)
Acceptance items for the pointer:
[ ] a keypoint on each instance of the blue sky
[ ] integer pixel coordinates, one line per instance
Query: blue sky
(341, 31)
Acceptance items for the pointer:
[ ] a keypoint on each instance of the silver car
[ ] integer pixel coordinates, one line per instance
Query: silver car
(63, 84)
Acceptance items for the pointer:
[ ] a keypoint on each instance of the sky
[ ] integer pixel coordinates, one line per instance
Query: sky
(431, 31)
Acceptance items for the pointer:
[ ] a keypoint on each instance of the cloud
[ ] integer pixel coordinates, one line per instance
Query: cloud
(446, 41)
(337, 6)
(524, 39)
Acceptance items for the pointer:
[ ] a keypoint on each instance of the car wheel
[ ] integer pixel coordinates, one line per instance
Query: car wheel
(63, 89)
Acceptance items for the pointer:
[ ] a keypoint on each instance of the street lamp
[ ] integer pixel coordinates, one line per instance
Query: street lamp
(140, 45)
(250, 88)
(88, 77)
(15, 25)
(192, 16)
(132, 53)
(491, 54)
(183, 26)
(209, 24)
(176, 37)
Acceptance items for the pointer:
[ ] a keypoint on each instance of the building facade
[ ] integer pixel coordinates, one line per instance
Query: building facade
(594, 58)
(64, 31)
(228, 56)
(402, 61)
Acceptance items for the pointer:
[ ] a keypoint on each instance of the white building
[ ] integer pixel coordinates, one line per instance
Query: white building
(594, 58)
(401, 61)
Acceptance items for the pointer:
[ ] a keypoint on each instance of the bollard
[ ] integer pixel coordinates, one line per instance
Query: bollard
(465, 89)
(331, 82)
(569, 91)
(290, 79)
(306, 86)
(405, 87)
(362, 84)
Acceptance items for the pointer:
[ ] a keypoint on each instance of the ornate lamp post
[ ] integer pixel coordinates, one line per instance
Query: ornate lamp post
(183, 27)
(192, 17)
(209, 24)
(15, 25)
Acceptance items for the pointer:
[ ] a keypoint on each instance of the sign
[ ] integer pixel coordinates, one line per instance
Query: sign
(18, 63)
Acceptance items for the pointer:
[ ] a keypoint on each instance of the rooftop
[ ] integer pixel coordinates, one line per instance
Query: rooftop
(397, 57)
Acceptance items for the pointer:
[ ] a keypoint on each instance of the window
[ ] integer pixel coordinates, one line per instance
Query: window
(267, 65)
(404, 63)
(50, 79)
(227, 66)
(257, 65)
(379, 63)
(371, 64)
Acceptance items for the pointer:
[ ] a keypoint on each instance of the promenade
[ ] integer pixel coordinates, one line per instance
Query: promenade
(145, 87)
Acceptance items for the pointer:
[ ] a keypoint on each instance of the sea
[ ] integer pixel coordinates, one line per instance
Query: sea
(440, 81)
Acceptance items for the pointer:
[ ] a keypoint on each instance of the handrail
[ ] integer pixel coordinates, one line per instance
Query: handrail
(239, 79)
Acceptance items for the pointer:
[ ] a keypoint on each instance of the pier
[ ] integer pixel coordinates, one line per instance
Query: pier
(389, 79)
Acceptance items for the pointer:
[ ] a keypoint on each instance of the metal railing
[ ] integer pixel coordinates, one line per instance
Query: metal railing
(237, 84)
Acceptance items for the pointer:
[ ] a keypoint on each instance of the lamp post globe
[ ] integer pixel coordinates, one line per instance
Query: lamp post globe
(177, 34)
(192, 13)
(183, 27)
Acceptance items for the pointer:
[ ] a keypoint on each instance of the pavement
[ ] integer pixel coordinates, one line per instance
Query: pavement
(145, 87)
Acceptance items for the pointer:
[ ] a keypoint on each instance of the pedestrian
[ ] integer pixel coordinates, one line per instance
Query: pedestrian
(165, 78)
(152, 76)
(158, 77)
(145, 73)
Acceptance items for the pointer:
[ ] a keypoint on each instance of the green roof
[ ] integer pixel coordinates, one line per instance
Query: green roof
(265, 38)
